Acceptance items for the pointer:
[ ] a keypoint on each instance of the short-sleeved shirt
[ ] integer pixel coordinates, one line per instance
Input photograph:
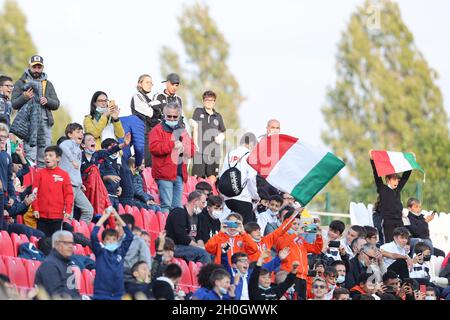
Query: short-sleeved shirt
(392, 247)
(209, 127)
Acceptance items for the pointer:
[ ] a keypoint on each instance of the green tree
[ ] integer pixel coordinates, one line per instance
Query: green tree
(62, 119)
(16, 45)
(207, 52)
(385, 97)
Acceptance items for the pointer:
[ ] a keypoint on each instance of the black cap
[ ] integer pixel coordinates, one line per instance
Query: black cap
(172, 78)
(36, 60)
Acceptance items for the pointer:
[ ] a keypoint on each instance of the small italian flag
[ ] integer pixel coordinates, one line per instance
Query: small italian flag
(292, 166)
(389, 162)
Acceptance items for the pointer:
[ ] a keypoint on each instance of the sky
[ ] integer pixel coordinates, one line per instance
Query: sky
(282, 52)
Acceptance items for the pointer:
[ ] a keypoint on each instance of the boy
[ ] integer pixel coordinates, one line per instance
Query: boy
(141, 284)
(165, 252)
(164, 287)
(353, 233)
(390, 205)
(269, 218)
(7, 192)
(319, 289)
(422, 265)
(341, 294)
(222, 287)
(140, 197)
(395, 254)
(335, 231)
(6, 88)
(371, 235)
(263, 202)
(260, 287)
(54, 193)
(71, 162)
(418, 223)
(331, 276)
(109, 259)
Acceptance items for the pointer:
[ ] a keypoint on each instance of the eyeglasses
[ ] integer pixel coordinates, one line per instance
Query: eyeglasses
(3, 137)
(370, 257)
(172, 117)
(67, 243)
(102, 100)
(316, 286)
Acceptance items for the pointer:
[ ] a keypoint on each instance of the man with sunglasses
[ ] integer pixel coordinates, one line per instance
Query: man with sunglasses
(359, 264)
(6, 88)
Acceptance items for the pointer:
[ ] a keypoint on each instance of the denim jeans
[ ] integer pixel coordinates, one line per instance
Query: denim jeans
(190, 253)
(170, 193)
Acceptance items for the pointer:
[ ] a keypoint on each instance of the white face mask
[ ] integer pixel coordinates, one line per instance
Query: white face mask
(272, 213)
(430, 298)
(216, 214)
(197, 210)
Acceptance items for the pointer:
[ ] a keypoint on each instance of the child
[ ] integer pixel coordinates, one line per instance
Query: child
(330, 280)
(335, 231)
(395, 254)
(269, 218)
(354, 232)
(71, 162)
(418, 224)
(141, 281)
(109, 278)
(140, 196)
(222, 287)
(7, 192)
(390, 205)
(371, 235)
(164, 287)
(263, 202)
(54, 193)
(319, 289)
(260, 287)
(165, 251)
(422, 265)
(6, 88)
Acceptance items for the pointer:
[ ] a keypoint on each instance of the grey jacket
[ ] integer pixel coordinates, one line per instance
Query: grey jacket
(18, 99)
(5, 109)
(71, 152)
(138, 251)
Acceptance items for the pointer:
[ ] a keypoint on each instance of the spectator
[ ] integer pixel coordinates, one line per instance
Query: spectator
(238, 158)
(422, 265)
(140, 283)
(110, 172)
(7, 191)
(204, 280)
(142, 106)
(365, 286)
(391, 283)
(109, 263)
(378, 220)
(359, 264)
(181, 226)
(371, 235)
(319, 289)
(335, 231)
(52, 183)
(164, 287)
(222, 287)
(33, 89)
(141, 198)
(126, 196)
(331, 281)
(55, 274)
(270, 216)
(395, 254)
(71, 162)
(341, 270)
(6, 88)
(418, 224)
(237, 238)
(390, 205)
(357, 245)
(263, 202)
(353, 232)
(138, 250)
(430, 293)
(260, 287)
(165, 249)
(208, 133)
(204, 187)
(299, 250)
(341, 294)
(208, 220)
(170, 147)
(103, 120)
(168, 95)
(288, 200)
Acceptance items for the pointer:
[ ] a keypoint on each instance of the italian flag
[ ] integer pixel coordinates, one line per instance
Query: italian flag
(389, 162)
(292, 166)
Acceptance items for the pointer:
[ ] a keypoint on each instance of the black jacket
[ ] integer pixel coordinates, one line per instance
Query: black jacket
(274, 292)
(418, 227)
(352, 274)
(207, 227)
(390, 200)
(54, 273)
(163, 290)
(178, 226)
(133, 287)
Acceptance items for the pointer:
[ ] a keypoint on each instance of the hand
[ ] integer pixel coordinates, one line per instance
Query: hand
(115, 179)
(83, 188)
(119, 191)
(430, 217)
(29, 94)
(295, 265)
(264, 255)
(419, 295)
(75, 165)
(237, 278)
(284, 253)
(370, 154)
(240, 227)
(231, 290)
(5, 213)
(417, 258)
(19, 152)
(414, 155)
(10, 202)
(151, 202)
(43, 101)
(342, 250)
(382, 288)
(67, 215)
(28, 199)
(36, 214)
(178, 145)
(115, 113)
(127, 139)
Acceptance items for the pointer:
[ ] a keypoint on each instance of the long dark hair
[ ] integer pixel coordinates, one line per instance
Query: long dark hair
(94, 100)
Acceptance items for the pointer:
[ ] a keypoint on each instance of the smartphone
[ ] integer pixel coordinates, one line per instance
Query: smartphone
(230, 224)
(312, 228)
(334, 244)
(111, 103)
(423, 288)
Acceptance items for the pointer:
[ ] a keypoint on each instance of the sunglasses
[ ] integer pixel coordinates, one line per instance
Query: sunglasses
(172, 117)
(370, 257)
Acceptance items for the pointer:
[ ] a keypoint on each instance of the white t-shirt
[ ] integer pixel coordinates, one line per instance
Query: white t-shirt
(392, 247)
(264, 218)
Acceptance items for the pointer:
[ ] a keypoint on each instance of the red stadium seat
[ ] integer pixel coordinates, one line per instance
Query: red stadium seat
(138, 220)
(91, 227)
(153, 236)
(162, 218)
(31, 267)
(79, 282)
(34, 241)
(78, 249)
(88, 277)
(185, 283)
(128, 209)
(195, 269)
(121, 209)
(6, 246)
(2, 266)
(17, 241)
(16, 271)
(149, 181)
(84, 229)
(87, 251)
(19, 219)
(184, 198)
(151, 222)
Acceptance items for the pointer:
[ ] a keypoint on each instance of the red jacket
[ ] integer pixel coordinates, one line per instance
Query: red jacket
(164, 157)
(54, 193)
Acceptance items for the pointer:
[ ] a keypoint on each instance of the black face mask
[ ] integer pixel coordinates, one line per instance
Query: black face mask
(261, 208)
(427, 258)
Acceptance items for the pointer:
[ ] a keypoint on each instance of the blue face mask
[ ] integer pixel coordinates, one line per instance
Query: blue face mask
(89, 152)
(340, 279)
(100, 110)
(111, 246)
(222, 291)
(172, 124)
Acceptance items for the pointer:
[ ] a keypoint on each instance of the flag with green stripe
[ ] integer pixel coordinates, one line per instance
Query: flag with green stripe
(293, 166)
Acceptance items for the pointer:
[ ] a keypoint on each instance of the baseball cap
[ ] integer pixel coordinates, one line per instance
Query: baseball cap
(172, 78)
(36, 60)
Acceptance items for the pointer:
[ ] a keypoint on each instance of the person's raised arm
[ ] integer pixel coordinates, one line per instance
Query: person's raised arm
(403, 180)
(378, 181)
(281, 289)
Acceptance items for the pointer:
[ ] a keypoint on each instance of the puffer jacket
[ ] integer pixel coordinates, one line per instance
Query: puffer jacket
(136, 127)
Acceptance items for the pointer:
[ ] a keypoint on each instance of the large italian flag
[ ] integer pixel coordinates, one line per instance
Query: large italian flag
(389, 162)
(292, 166)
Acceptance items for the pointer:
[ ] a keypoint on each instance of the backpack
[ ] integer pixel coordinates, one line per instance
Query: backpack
(230, 181)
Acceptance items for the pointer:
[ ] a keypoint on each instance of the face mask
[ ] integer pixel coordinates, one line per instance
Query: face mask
(263, 288)
(222, 291)
(111, 246)
(231, 234)
(340, 279)
(216, 214)
(171, 124)
(197, 210)
(89, 152)
(291, 231)
(427, 258)
(261, 208)
(272, 213)
(331, 286)
(430, 298)
(100, 110)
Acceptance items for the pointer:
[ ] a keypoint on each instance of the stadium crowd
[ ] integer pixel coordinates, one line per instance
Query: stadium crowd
(77, 219)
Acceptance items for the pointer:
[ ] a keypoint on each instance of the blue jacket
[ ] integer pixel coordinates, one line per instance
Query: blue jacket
(272, 265)
(97, 158)
(126, 181)
(212, 295)
(136, 127)
(6, 174)
(109, 280)
(110, 167)
(200, 293)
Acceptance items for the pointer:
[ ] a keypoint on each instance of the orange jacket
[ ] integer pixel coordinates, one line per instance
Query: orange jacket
(299, 251)
(268, 241)
(237, 243)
